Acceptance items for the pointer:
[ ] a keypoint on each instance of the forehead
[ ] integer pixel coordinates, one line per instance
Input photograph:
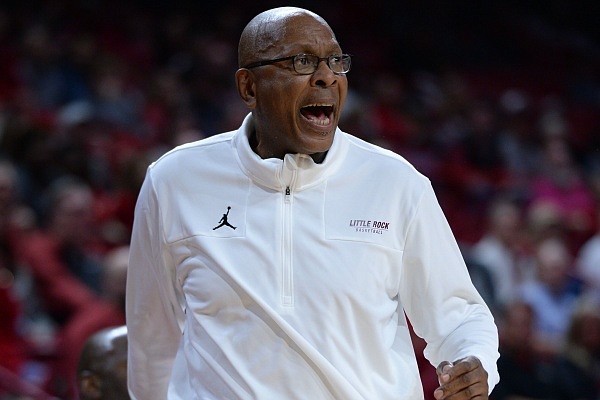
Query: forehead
(302, 32)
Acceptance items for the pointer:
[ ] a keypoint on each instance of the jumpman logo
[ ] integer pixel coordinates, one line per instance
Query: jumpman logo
(223, 221)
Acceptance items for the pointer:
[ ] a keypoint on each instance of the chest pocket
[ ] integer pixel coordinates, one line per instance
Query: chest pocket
(219, 214)
(366, 218)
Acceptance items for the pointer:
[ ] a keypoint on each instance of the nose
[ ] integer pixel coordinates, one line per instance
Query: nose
(323, 76)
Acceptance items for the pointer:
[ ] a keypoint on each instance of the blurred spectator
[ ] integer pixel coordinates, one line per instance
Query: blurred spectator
(390, 118)
(502, 250)
(524, 372)
(517, 143)
(482, 278)
(474, 163)
(15, 217)
(115, 276)
(31, 151)
(588, 259)
(552, 294)
(560, 183)
(67, 237)
(472, 171)
(110, 314)
(67, 274)
(576, 372)
(544, 221)
(13, 346)
(117, 99)
(20, 372)
(47, 81)
(102, 369)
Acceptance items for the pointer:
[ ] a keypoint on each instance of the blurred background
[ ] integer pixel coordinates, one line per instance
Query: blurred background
(498, 103)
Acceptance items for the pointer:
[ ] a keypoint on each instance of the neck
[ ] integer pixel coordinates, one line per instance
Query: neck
(319, 157)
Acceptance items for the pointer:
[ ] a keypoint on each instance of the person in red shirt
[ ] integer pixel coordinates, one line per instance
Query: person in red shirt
(67, 272)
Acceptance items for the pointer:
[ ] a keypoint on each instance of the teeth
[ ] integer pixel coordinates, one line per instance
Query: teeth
(319, 118)
(319, 105)
(317, 121)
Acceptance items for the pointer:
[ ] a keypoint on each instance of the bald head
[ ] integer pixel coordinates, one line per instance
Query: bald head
(102, 369)
(268, 29)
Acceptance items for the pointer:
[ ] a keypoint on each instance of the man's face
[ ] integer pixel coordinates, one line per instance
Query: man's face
(298, 113)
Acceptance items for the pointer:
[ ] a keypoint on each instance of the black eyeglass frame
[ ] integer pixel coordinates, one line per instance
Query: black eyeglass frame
(326, 59)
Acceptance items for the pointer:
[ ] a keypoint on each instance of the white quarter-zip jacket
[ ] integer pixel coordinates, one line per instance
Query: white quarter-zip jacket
(256, 278)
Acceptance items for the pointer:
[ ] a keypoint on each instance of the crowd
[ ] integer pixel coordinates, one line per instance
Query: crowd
(90, 94)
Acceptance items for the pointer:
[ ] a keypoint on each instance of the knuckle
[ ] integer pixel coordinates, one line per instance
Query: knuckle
(468, 392)
(466, 379)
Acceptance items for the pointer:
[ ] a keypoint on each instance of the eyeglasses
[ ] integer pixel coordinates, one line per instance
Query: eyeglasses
(307, 64)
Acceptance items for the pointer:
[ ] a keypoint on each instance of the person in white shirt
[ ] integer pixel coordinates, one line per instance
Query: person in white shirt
(280, 260)
(501, 251)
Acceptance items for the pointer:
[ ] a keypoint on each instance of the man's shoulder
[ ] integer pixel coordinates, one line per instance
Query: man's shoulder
(198, 145)
(194, 151)
(193, 159)
(383, 158)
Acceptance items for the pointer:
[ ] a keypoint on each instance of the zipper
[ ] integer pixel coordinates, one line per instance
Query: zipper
(287, 283)
(289, 173)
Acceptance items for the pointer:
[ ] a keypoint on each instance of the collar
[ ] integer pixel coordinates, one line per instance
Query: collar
(297, 171)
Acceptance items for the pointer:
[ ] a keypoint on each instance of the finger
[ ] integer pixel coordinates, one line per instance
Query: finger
(442, 372)
(442, 365)
(451, 382)
(448, 371)
(475, 391)
(465, 365)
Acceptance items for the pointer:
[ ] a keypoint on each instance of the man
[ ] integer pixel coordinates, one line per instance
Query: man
(335, 240)
(102, 369)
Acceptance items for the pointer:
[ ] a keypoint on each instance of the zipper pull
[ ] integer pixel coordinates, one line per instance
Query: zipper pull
(287, 191)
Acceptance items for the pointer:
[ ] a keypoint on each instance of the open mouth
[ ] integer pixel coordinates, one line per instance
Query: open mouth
(318, 114)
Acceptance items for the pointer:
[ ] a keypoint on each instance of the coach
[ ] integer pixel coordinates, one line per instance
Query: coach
(247, 278)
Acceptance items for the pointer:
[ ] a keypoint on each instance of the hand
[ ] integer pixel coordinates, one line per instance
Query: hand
(463, 379)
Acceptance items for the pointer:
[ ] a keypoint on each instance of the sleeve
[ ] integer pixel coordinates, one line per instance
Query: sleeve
(154, 313)
(438, 296)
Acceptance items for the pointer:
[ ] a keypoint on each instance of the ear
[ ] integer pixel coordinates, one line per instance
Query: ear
(244, 80)
(90, 386)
